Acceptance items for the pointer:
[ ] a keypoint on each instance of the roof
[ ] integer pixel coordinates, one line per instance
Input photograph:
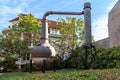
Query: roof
(51, 23)
(17, 18)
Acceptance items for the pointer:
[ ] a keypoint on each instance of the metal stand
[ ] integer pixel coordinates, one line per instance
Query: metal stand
(44, 66)
(30, 69)
(54, 65)
(90, 56)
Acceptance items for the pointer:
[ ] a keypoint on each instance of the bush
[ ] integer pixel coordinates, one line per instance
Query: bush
(109, 58)
(9, 63)
(105, 58)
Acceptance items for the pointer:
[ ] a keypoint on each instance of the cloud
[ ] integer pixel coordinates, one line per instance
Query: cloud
(100, 30)
(10, 8)
(6, 10)
(13, 7)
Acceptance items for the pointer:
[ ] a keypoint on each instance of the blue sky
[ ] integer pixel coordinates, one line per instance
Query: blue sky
(9, 9)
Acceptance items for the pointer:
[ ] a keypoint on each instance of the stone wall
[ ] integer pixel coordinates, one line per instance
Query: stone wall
(104, 43)
(114, 25)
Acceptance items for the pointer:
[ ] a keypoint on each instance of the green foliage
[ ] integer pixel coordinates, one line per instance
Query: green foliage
(11, 42)
(9, 63)
(67, 74)
(109, 58)
(105, 58)
(59, 62)
(72, 60)
(72, 31)
(12, 76)
(28, 24)
(15, 46)
(72, 34)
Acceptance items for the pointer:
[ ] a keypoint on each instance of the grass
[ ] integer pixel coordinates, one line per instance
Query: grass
(67, 74)
(12, 76)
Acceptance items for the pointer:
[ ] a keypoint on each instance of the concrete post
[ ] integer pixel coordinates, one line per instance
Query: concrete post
(87, 23)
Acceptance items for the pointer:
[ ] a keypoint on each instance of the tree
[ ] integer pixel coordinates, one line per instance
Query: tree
(72, 34)
(72, 30)
(28, 25)
(19, 37)
(15, 41)
(1, 44)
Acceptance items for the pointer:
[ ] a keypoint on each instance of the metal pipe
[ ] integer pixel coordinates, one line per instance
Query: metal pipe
(44, 34)
(87, 20)
(62, 13)
(44, 31)
(87, 23)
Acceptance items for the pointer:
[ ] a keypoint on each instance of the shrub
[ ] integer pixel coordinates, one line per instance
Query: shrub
(109, 58)
(9, 63)
(105, 58)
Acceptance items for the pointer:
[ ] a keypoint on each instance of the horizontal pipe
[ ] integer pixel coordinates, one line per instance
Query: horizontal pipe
(62, 13)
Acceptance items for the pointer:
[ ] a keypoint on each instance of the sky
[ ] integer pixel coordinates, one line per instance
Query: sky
(9, 9)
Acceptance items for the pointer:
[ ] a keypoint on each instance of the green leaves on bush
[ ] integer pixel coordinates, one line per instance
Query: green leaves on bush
(106, 58)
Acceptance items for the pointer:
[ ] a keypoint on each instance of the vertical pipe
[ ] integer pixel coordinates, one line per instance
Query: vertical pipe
(87, 20)
(44, 31)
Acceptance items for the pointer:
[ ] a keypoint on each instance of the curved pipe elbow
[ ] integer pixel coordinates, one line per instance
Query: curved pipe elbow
(46, 14)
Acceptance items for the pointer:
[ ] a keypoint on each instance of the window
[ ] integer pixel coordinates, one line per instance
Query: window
(54, 31)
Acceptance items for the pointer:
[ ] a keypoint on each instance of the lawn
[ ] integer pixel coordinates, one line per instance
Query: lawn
(66, 74)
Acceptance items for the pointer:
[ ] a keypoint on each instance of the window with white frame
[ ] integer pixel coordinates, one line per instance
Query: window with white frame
(54, 31)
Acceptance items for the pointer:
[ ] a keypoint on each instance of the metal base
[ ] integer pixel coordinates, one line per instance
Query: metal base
(30, 68)
(44, 66)
(89, 58)
(54, 66)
